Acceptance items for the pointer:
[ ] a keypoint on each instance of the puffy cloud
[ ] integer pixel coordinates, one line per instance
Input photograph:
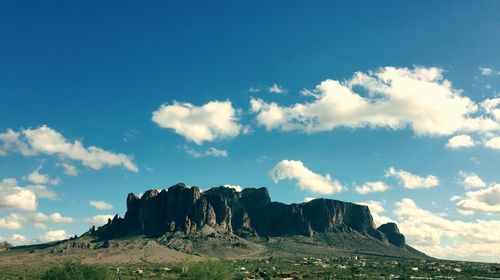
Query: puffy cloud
(54, 217)
(460, 141)
(492, 107)
(17, 239)
(101, 205)
(99, 220)
(493, 143)
(39, 217)
(60, 219)
(471, 180)
(306, 179)
(38, 178)
(13, 196)
(39, 225)
(376, 209)
(11, 142)
(46, 140)
(445, 238)
(412, 181)
(42, 191)
(396, 98)
(275, 88)
(237, 188)
(212, 121)
(53, 235)
(371, 187)
(13, 221)
(485, 200)
(210, 152)
(69, 169)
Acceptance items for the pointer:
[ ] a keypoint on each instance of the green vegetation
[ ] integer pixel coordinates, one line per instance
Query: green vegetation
(77, 271)
(204, 270)
(360, 267)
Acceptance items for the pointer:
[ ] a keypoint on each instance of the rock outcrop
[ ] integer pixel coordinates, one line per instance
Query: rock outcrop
(394, 237)
(5, 246)
(251, 212)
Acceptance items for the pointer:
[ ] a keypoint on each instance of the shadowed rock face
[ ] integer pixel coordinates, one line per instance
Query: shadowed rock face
(247, 213)
(394, 237)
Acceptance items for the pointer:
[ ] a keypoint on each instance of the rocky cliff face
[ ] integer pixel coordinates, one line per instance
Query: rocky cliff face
(250, 212)
(394, 237)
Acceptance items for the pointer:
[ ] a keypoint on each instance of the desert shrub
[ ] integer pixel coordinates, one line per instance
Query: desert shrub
(204, 270)
(77, 271)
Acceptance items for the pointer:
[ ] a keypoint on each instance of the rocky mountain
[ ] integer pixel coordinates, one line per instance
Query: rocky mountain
(223, 211)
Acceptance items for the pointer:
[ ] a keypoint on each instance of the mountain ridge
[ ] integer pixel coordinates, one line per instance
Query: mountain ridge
(181, 222)
(226, 213)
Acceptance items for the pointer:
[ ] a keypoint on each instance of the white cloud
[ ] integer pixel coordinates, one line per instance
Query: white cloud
(485, 200)
(237, 188)
(39, 217)
(54, 217)
(212, 121)
(307, 199)
(471, 180)
(46, 140)
(492, 107)
(11, 142)
(53, 235)
(69, 169)
(17, 239)
(60, 219)
(412, 181)
(449, 239)
(371, 187)
(101, 205)
(396, 98)
(210, 152)
(39, 178)
(99, 220)
(486, 71)
(306, 179)
(13, 196)
(13, 221)
(39, 225)
(376, 209)
(460, 141)
(42, 191)
(493, 143)
(275, 88)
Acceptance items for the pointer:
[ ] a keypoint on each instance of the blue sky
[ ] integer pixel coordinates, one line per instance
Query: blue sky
(377, 86)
